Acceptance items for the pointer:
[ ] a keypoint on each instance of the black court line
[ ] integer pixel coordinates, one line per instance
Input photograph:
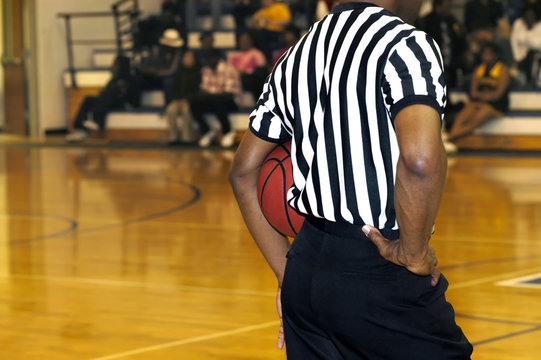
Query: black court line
(507, 336)
(195, 198)
(74, 226)
(500, 321)
(534, 327)
(489, 261)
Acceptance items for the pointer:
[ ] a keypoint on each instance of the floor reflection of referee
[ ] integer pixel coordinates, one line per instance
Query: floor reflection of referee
(362, 96)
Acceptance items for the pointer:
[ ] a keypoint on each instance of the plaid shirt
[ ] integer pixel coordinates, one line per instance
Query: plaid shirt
(225, 79)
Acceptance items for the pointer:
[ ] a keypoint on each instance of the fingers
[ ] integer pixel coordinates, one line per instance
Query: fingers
(436, 273)
(281, 338)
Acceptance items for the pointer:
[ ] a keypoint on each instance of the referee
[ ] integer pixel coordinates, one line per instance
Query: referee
(361, 96)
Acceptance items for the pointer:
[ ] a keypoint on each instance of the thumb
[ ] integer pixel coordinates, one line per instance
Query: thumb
(375, 236)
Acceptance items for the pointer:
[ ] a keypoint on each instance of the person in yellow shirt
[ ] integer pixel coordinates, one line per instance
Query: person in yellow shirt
(274, 16)
(489, 94)
(269, 23)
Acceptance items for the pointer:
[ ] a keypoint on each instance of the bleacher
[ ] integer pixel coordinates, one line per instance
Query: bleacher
(519, 129)
(147, 123)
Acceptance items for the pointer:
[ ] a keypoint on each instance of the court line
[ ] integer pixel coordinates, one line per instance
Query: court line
(71, 228)
(500, 321)
(484, 280)
(195, 198)
(507, 336)
(241, 292)
(190, 340)
(489, 261)
(153, 286)
(75, 226)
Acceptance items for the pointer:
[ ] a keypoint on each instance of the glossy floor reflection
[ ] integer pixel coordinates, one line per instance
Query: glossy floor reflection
(142, 254)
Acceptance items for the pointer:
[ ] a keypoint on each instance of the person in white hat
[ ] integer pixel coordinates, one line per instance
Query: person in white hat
(159, 68)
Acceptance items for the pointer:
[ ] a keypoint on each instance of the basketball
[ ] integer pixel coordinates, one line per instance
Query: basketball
(275, 179)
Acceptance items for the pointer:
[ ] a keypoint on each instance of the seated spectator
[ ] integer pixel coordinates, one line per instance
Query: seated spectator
(150, 30)
(157, 70)
(482, 34)
(482, 11)
(250, 63)
(207, 48)
(526, 44)
(120, 92)
(445, 29)
(220, 95)
(187, 84)
(291, 36)
(242, 11)
(269, 22)
(489, 94)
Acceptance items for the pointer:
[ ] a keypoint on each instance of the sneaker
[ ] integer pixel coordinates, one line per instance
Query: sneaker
(228, 139)
(77, 135)
(91, 125)
(450, 148)
(206, 139)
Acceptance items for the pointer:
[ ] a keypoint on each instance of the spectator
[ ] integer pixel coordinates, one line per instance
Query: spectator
(445, 29)
(480, 35)
(120, 92)
(186, 86)
(526, 44)
(207, 48)
(220, 95)
(250, 63)
(150, 30)
(269, 22)
(292, 35)
(242, 11)
(488, 94)
(158, 69)
(482, 11)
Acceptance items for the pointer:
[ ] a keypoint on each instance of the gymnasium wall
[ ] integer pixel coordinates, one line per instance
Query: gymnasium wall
(51, 50)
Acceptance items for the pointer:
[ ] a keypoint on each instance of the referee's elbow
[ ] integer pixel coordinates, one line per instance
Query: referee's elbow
(424, 162)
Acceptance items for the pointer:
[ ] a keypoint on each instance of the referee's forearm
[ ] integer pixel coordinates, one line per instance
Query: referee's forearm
(273, 245)
(418, 194)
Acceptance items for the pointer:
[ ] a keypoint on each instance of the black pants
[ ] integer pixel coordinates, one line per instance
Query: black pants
(342, 300)
(98, 106)
(219, 104)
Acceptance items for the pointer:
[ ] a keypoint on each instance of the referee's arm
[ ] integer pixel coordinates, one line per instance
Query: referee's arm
(249, 158)
(420, 177)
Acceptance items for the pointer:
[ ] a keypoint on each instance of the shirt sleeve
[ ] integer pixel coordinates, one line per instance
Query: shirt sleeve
(264, 121)
(413, 75)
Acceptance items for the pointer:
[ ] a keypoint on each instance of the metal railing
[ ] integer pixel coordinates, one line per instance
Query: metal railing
(125, 14)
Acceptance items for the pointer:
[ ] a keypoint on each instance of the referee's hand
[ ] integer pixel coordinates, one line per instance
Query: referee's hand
(392, 250)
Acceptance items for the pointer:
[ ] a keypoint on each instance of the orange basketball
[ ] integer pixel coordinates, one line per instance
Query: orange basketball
(275, 179)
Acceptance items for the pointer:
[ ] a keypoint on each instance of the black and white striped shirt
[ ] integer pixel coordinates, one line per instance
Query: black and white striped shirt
(336, 93)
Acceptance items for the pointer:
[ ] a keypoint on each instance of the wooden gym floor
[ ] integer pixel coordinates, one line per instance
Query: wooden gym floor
(109, 253)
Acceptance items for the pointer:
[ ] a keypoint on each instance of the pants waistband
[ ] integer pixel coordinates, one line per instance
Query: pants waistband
(347, 229)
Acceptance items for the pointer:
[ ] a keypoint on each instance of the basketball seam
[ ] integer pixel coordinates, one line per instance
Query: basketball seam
(286, 204)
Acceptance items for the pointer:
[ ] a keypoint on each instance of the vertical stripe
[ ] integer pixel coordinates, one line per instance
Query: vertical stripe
(334, 92)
